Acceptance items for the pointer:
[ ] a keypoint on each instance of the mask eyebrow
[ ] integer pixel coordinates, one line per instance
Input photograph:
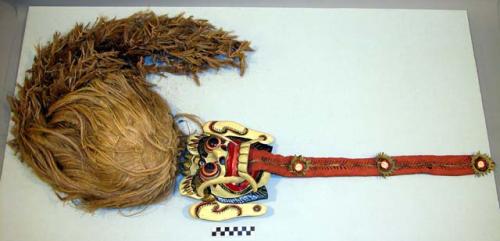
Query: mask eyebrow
(200, 147)
(223, 137)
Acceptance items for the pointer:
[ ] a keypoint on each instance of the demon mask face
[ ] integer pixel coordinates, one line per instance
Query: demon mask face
(216, 167)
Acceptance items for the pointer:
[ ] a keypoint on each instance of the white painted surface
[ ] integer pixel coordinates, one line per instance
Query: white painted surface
(324, 82)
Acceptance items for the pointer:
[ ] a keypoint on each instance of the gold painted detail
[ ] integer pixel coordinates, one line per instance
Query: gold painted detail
(482, 164)
(299, 165)
(222, 128)
(385, 164)
(216, 211)
(186, 188)
(230, 128)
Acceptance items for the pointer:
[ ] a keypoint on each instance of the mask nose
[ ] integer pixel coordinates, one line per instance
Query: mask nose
(219, 155)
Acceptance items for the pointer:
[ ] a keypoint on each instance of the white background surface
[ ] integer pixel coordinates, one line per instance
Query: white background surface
(324, 83)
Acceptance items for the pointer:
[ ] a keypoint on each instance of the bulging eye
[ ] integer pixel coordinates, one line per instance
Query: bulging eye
(212, 142)
(209, 171)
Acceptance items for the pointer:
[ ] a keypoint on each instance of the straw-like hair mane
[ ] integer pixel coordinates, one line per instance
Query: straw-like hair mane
(87, 122)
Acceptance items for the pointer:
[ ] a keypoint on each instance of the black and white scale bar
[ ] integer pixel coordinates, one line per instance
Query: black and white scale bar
(233, 231)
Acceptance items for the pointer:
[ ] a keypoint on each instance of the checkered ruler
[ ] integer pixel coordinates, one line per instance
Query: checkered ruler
(233, 231)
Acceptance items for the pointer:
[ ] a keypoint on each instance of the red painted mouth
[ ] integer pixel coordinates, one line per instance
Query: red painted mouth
(232, 168)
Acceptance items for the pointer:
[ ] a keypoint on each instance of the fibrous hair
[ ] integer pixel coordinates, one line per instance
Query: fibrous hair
(88, 123)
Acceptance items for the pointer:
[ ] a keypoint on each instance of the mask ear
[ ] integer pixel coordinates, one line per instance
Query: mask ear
(187, 188)
(190, 157)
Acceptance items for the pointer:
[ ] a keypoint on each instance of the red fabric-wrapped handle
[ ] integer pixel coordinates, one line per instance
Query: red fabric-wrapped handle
(382, 165)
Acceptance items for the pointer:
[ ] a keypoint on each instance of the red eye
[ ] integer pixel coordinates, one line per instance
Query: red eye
(212, 143)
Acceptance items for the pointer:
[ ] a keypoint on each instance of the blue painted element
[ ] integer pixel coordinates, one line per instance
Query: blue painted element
(148, 60)
(260, 194)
